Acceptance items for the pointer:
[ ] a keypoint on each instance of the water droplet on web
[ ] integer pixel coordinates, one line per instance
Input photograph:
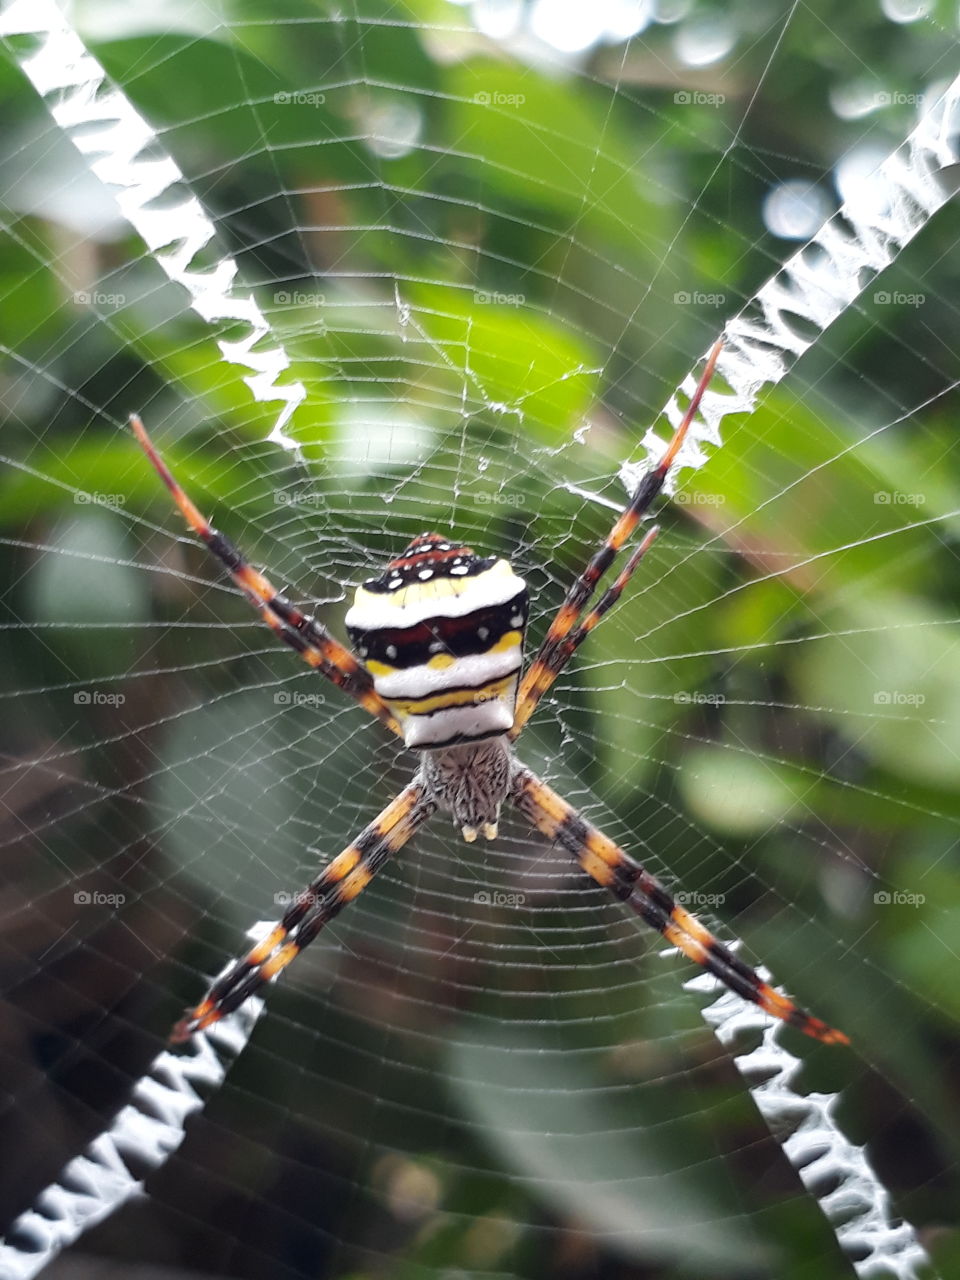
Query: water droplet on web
(394, 128)
(482, 464)
(906, 10)
(581, 433)
(855, 98)
(795, 209)
(699, 44)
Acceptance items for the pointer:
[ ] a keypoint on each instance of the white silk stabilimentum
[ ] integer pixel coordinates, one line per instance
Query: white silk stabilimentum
(148, 1129)
(125, 153)
(814, 287)
(856, 1204)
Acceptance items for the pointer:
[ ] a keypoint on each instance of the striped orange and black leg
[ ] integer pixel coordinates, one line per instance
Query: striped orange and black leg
(302, 633)
(544, 669)
(336, 885)
(563, 636)
(610, 866)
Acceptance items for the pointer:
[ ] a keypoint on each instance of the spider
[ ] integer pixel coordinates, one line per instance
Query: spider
(438, 639)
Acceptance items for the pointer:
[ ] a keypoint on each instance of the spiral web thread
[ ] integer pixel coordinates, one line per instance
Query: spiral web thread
(762, 343)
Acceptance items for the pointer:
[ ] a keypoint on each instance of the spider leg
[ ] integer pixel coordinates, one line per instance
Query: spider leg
(627, 880)
(337, 884)
(563, 636)
(545, 669)
(304, 634)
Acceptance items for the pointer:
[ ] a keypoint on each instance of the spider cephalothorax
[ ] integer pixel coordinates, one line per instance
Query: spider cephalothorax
(439, 640)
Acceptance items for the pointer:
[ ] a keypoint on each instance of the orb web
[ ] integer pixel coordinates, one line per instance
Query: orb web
(441, 272)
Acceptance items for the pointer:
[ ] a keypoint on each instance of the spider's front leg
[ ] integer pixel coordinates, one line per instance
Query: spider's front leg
(610, 866)
(303, 634)
(336, 885)
(567, 632)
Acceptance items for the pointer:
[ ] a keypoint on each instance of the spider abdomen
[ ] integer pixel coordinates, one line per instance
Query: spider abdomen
(441, 632)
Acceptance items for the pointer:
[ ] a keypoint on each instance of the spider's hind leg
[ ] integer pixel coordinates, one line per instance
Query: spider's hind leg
(335, 886)
(610, 866)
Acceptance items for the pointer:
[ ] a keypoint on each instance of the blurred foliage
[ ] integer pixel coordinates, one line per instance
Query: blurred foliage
(489, 275)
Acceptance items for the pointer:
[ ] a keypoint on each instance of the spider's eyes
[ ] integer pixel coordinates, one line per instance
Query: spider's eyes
(429, 544)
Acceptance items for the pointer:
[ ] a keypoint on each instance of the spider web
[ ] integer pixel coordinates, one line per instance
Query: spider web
(372, 272)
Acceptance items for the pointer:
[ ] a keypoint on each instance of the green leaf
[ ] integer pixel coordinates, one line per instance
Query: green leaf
(737, 793)
(792, 492)
(893, 690)
(558, 149)
(227, 787)
(84, 584)
(646, 662)
(517, 361)
(623, 1163)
